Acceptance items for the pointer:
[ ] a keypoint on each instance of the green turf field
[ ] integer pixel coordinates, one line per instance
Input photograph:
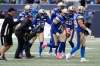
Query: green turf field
(92, 54)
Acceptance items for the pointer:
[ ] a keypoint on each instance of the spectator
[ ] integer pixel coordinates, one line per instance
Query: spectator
(30, 1)
(37, 1)
(72, 2)
(20, 1)
(82, 2)
(90, 1)
(12, 1)
(44, 1)
(54, 1)
(2, 15)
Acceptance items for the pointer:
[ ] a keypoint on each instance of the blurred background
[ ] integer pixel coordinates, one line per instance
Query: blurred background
(92, 11)
(83, 2)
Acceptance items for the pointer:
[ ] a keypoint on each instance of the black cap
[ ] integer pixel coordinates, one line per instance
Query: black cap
(11, 9)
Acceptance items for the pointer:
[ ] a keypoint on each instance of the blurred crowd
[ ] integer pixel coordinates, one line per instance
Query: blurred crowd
(68, 3)
(47, 1)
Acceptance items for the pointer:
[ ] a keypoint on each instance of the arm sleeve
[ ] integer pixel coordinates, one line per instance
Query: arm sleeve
(49, 20)
(53, 15)
(4, 26)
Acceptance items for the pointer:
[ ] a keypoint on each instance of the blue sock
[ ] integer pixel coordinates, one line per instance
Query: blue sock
(71, 40)
(50, 50)
(51, 44)
(71, 44)
(40, 48)
(78, 43)
(61, 47)
(56, 49)
(82, 52)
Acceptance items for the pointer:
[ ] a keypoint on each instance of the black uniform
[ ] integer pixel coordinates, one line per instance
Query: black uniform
(22, 33)
(7, 30)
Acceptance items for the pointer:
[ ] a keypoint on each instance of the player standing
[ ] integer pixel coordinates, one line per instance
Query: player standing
(7, 31)
(80, 38)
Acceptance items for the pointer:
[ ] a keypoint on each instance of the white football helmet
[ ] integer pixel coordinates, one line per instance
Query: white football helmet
(41, 11)
(27, 7)
(71, 8)
(61, 4)
(80, 17)
(81, 8)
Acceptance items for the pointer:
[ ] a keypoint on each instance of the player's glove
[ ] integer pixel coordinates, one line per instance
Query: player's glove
(57, 34)
(89, 31)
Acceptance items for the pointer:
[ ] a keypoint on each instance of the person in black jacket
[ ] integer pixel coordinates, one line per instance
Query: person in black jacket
(6, 32)
(23, 31)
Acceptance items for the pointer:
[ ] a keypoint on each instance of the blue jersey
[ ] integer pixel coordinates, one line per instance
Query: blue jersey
(69, 21)
(34, 12)
(79, 28)
(40, 20)
(55, 12)
(23, 15)
(58, 27)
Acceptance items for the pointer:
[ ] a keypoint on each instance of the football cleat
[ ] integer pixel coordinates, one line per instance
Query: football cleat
(68, 56)
(59, 56)
(83, 60)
